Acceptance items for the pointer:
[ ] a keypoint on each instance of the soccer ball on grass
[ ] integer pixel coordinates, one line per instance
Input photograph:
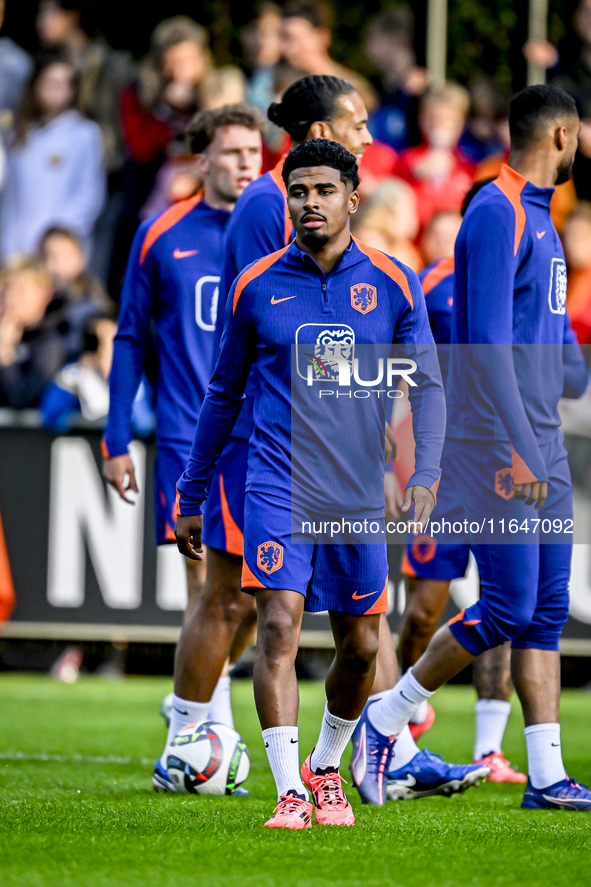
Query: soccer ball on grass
(207, 759)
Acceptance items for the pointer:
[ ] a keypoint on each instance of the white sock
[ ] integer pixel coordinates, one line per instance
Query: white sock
(220, 708)
(283, 750)
(544, 755)
(396, 707)
(404, 750)
(420, 714)
(491, 720)
(183, 713)
(335, 734)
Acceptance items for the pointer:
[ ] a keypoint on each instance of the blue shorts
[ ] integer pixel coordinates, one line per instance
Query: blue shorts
(427, 558)
(524, 586)
(169, 465)
(344, 578)
(223, 523)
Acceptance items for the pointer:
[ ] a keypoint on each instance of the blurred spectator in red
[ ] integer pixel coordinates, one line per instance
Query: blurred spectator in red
(437, 170)
(306, 35)
(157, 108)
(439, 237)
(155, 111)
(178, 179)
(388, 45)
(15, 70)
(576, 240)
(82, 387)
(485, 135)
(71, 26)
(261, 39)
(32, 341)
(388, 221)
(55, 172)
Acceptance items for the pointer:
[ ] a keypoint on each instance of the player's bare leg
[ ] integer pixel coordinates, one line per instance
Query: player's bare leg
(196, 572)
(493, 685)
(210, 633)
(492, 673)
(351, 675)
(348, 684)
(443, 659)
(536, 675)
(386, 661)
(245, 633)
(279, 619)
(426, 600)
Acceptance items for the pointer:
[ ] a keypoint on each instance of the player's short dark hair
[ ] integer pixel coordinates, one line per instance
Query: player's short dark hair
(323, 152)
(311, 99)
(319, 14)
(535, 107)
(202, 128)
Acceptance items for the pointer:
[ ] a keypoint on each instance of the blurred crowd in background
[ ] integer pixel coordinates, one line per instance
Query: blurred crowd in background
(92, 142)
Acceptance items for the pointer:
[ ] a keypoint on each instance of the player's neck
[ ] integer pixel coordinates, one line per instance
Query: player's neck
(535, 166)
(331, 253)
(216, 200)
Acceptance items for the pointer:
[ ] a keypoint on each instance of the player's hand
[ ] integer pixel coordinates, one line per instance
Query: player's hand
(187, 530)
(391, 448)
(120, 473)
(537, 493)
(424, 505)
(393, 496)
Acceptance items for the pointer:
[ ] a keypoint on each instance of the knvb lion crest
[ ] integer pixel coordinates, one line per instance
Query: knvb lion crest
(504, 486)
(269, 557)
(364, 297)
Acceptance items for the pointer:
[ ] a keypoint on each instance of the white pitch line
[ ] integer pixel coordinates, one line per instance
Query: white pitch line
(73, 759)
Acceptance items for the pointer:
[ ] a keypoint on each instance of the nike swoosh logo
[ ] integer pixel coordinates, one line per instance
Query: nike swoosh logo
(266, 745)
(184, 253)
(276, 301)
(179, 711)
(540, 234)
(555, 744)
(359, 597)
(405, 697)
(293, 741)
(408, 780)
(329, 724)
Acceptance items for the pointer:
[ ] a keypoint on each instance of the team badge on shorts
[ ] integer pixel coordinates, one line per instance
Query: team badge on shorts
(364, 297)
(423, 549)
(269, 557)
(504, 486)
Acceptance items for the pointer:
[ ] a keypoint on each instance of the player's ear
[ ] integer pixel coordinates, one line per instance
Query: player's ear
(353, 202)
(319, 130)
(202, 163)
(561, 137)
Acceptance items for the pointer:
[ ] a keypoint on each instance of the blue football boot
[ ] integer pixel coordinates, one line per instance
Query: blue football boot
(567, 794)
(369, 762)
(160, 779)
(428, 774)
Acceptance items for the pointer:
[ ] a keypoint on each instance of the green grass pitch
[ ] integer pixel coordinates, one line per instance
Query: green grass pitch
(77, 809)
